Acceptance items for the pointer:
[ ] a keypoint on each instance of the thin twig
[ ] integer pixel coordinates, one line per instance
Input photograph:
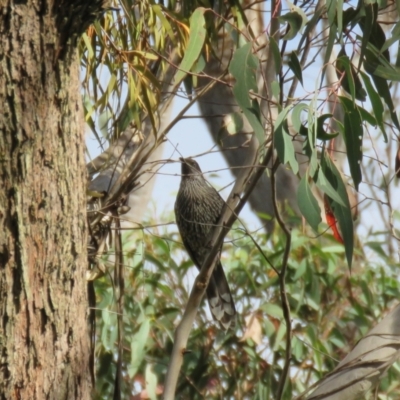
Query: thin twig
(282, 286)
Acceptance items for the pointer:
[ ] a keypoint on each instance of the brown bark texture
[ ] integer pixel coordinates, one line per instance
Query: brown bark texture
(44, 342)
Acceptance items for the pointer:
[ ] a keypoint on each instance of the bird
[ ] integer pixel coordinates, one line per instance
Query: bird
(198, 207)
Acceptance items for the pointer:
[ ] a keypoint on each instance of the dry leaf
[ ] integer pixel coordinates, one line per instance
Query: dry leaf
(253, 329)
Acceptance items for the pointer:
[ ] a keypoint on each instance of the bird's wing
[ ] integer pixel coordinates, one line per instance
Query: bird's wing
(192, 255)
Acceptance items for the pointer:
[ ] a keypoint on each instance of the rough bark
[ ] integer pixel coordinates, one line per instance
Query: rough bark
(44, 343)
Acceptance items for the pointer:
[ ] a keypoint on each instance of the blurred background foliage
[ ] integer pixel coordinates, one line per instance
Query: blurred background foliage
(331, 310)
(124, 56)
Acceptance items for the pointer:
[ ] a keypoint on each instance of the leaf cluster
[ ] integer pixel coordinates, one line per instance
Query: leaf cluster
(331, 310)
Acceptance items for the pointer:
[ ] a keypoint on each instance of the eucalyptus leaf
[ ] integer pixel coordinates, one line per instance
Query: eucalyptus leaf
(341, 211)
(197, 37)
(308, 205)
(243, 68)
(295, 66)
(353, 135)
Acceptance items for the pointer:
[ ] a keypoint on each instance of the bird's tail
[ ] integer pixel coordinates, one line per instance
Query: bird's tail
(220, 298)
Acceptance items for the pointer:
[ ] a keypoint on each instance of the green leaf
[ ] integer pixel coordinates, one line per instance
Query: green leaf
(342, 212)
(308, 205)
(350, 15)
(243, 68)
(272, 309)
(367, 116)
(295, 66)
(296, 19)
(376, 63)
(339, 18)
(331, 11)
(234, 123)
(311, 24)
(151, 382)
(277, 55)
(296, 116)
(188, 84)
(283, 141)
(138, 345)
(351, 83)
(164, 22)
(376, 102)
(353, 135)
(395, 37)
(376, 37)
(366, 23)
(197, 37)
(89, 47)
(382, 87)
(276, 90)
(325, 185)
(329, 46)
(391, 73)
(321, 133)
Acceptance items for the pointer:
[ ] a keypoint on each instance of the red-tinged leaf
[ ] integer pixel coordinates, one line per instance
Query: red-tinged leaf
(331, 220)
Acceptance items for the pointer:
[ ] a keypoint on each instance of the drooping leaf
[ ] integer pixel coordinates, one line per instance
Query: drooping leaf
(243, 68)
(296, 116)
(367, 24)
(283, 141)
(322, 134)
(376, 102)
(197, 37)
(310, 26)
(350, 16)
(376, 63)
(276, 90)
(308, 205)
(394, 38)
(164, 22)
(295, 66)
(326, 186)
(376, 36)
(234, 123)
(329, 46)
(294, 21)
(351, 83)
(331, 220)
(277, 55)
(382, 87)
(353, 135)
(342, 211)
(339, 18)
(331, 11)
(138, 344)
(151, 382)
(390, 73)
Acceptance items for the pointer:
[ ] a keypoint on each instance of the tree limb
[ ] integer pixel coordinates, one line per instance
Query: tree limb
(244, 184)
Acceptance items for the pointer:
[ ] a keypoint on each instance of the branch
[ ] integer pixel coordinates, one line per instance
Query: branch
(282, 285)
(234, 204)
(128, 176)
(363, 368)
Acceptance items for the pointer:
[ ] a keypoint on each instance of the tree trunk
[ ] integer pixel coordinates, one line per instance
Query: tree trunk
(44, 342)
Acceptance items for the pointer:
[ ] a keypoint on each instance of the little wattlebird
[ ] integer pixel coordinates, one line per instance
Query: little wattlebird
(198, 208)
